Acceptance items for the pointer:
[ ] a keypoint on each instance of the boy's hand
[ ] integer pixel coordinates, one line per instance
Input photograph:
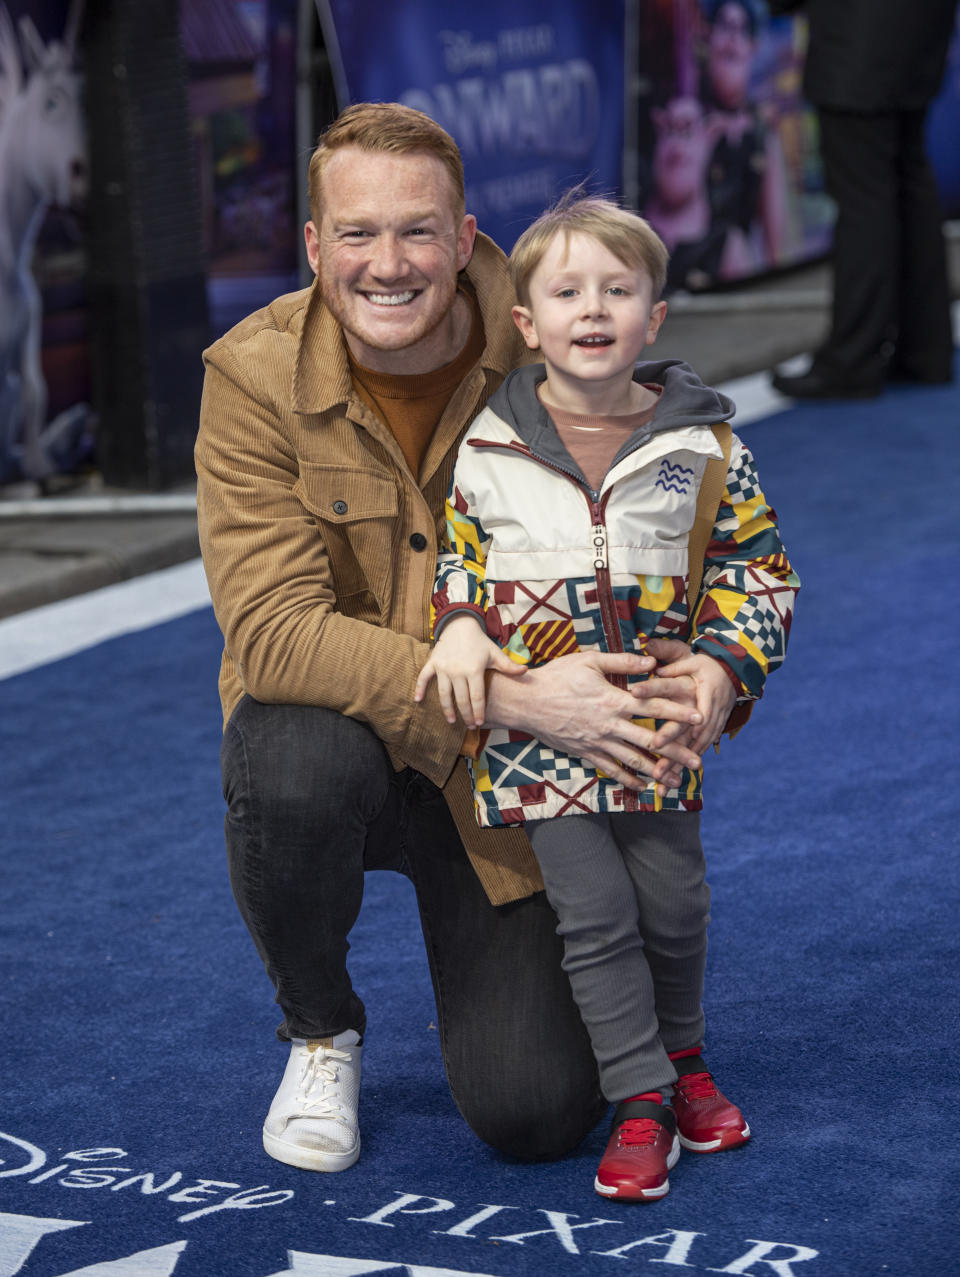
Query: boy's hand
(715, 694)
(661, 698)
(462, 655)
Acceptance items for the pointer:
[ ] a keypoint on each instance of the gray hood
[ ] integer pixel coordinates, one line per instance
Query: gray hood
(684, 401)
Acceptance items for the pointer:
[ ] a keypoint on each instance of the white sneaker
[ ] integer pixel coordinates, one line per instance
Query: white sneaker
(312, 1121)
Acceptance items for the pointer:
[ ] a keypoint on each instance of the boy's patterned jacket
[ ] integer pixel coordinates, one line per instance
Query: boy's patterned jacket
(552, 568)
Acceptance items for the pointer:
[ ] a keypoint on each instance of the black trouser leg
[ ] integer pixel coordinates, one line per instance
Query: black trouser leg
(924, 330)
(860, 173)
(312, 801)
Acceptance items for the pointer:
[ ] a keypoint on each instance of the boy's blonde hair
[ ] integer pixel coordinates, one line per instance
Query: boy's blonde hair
(386, 127)
(626, 235)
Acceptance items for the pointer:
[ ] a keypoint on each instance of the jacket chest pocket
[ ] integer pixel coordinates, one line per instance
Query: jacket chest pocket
(356, 511)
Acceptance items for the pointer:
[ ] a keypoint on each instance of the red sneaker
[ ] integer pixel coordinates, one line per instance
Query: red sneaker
(642, 1148)
(706, 1120)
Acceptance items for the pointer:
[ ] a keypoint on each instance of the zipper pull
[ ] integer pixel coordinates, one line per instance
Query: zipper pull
(599, 547)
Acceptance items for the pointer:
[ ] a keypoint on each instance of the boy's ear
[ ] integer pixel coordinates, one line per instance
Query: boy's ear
(524, 321)
(657, 315)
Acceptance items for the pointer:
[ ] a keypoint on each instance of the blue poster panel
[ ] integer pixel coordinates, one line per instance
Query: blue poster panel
(532, 92)
(944, 128)
(729, 172)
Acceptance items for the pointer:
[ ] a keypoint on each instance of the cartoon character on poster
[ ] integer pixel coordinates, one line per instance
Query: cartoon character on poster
(43, 162)
(745, 178)
(678, 206)
(717, 188)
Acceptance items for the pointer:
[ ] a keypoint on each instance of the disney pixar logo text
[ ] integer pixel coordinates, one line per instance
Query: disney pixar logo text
(550, 1234)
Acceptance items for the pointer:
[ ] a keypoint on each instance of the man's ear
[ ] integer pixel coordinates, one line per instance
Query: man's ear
(311, 237)
(524, 321)
(466, 237)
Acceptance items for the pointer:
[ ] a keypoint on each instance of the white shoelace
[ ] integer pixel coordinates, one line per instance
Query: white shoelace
(319, 1076)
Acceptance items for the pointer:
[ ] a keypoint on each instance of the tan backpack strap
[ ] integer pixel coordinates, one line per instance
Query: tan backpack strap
(708, 502)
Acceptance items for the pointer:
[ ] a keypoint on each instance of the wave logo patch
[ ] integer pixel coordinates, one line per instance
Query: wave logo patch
(674, 478)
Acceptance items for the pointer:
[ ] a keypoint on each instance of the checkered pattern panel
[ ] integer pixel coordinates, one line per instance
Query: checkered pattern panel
(742, 481)
(755, 626)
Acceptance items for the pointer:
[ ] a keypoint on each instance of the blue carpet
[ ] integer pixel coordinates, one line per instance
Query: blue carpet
(137, 1056)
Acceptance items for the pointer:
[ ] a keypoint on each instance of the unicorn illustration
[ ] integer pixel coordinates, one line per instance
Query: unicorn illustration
(43, 162)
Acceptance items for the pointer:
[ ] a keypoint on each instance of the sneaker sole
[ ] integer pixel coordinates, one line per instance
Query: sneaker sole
(308, 1159)
(641, 1194)
(731, 1139)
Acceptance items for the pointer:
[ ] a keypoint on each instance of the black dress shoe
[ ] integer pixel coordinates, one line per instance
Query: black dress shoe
(817, 384)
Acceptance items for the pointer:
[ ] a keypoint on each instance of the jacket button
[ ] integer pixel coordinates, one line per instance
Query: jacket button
(418, 541)
(339, 507)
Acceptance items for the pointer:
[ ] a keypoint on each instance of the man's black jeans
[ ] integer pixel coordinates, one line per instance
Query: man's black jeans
(313, 801)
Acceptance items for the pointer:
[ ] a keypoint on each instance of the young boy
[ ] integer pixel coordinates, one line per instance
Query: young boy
(569, 527)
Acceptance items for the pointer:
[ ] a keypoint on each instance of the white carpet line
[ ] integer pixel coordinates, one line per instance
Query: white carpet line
(755, 397)
(61, 629)
(57, 630)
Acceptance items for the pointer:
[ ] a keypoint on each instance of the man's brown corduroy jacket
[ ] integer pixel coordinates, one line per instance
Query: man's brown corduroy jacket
(320, 545)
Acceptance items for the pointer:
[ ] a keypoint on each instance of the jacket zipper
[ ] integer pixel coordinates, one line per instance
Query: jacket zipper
(608, 605)
(601, 560)
(601, 568)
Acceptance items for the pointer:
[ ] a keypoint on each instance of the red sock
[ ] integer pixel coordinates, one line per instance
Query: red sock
(682, 1055)
(653, 1096)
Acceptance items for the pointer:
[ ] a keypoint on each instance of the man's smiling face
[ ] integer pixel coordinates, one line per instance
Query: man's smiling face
(387, 252)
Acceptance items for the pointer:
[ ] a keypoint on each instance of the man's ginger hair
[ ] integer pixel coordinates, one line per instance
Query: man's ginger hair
(626, 235)
(388, 128)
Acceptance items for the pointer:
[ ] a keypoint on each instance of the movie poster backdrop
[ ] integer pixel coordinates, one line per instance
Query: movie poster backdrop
(241, 79)
(533, 92)
(723, 155)
(943, 128)
(729, 171)
(45, 417)
(240, 66)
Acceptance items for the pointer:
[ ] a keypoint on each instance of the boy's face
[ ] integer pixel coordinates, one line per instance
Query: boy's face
(589, 314)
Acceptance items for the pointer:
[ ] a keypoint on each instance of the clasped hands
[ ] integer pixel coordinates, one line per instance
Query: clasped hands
(570, 703)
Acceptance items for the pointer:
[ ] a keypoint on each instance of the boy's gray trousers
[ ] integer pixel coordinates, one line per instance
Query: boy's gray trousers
(633, 909)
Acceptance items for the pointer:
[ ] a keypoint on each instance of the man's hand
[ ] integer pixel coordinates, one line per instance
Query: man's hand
(570, 704)
(713, 689)
(462, 655)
